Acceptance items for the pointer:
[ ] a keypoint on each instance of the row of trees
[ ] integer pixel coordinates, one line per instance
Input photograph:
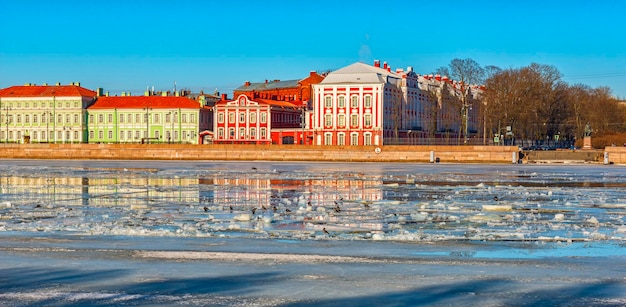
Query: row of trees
(536, 104)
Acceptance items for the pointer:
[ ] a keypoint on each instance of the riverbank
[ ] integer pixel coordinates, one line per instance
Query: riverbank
(298, 153)
(466, 154)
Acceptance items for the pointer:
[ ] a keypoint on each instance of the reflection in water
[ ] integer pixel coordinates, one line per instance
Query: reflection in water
(406, 204)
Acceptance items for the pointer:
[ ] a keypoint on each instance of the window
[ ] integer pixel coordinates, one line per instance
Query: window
(19, 118)
(156, 118)
(328, 102)
(252, 117)
(76, 135)
(341, 120)
(100, 118)
(156, 134)
(231, 117)
(110, 134)
(354, 120)
(367, 139)
(354, 102)
(137, 118)
(220, 133)
(91, 135)
(242, 133)
(121, 118)
(76, 118)
(367, 119)
(328, 120)
(231, 133)
(341, 139)
(175, 117)
(26, 119)
(354, 139)
(184, 119)
(35, 118)
(368, 101)
(220, 117)
(263, 118)
(130, 135)
(110, 118)
(100, 135)
(263, 133)
(167, 117)
(34, 135)
(121, 135)
(137, 135)
(130, 118)
(242, 117)
(192, 118)
(67, 118)
(253, 133)
(328, 139)
(341, 102)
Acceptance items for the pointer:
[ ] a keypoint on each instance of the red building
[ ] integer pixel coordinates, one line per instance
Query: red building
(257, 121)
(298, 92)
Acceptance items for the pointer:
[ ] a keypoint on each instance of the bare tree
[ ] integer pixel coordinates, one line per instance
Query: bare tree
(466, 72)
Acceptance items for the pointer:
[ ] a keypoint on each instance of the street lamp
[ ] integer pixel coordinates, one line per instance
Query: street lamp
(147, 108)
(8, 120)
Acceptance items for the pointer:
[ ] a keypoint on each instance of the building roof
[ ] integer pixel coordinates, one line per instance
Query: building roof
(360, 73)
(46, 91)
(269, 85)
(276, 103)
(138, 102)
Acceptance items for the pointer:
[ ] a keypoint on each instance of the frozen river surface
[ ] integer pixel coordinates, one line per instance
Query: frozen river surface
(244, 217)
(399, 202)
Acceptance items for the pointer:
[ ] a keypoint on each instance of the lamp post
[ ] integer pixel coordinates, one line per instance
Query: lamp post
(7, 120)
(147, 108)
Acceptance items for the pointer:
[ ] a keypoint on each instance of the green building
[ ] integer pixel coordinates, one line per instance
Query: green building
(148, 119)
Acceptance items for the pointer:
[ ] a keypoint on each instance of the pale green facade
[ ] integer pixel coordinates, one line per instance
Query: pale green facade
(43, 119)
(167, 125)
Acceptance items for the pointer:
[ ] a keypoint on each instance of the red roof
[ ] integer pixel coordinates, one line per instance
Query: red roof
(138, 102)
(46, 91)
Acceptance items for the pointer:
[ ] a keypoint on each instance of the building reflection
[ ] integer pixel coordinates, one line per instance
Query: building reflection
(138, 191)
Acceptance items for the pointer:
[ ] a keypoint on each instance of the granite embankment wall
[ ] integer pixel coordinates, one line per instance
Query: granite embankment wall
(469, 154)
(616, 155)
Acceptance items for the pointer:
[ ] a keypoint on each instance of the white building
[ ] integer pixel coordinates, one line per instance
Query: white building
(362, 104)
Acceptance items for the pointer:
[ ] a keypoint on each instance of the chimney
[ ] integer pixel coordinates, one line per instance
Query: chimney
(177, 93)
(99, 91)
(164, 93)
(385, 65)
(224, 97)
(377, 63)
(106, 94)
(146, 93)
(45, 84)
(58, 84)
(312, 73)
(247, 83)
(265, 81)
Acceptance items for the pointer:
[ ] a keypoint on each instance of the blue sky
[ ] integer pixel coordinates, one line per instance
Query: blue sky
(204, 45)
